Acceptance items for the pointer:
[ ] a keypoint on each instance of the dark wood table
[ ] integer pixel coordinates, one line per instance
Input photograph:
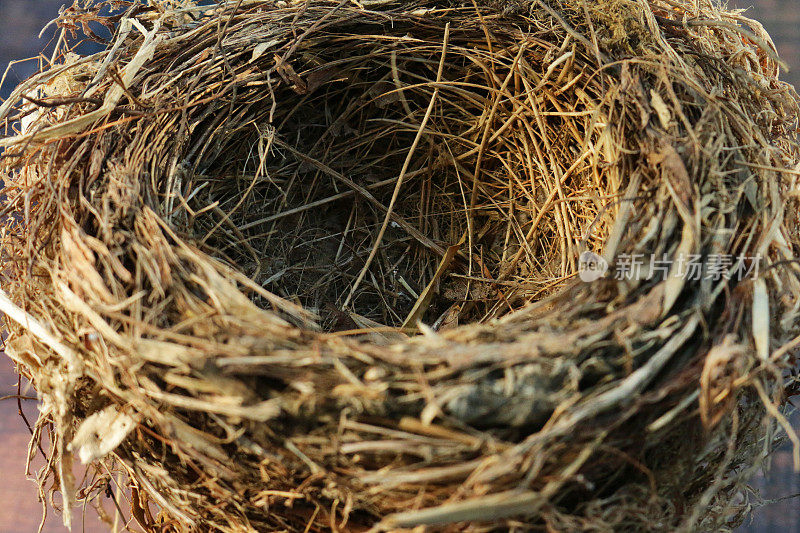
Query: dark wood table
(21, 510)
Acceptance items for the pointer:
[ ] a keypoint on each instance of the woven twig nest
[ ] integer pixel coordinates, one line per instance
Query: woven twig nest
(351, 265)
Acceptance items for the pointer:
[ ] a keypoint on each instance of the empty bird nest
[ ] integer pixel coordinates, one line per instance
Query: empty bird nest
(376, 265)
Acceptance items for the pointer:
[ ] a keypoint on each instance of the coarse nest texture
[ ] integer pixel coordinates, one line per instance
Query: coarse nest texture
(324, 265)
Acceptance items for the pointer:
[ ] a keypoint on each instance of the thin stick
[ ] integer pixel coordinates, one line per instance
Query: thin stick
(403, 171)
(36, 328)
(312, 205)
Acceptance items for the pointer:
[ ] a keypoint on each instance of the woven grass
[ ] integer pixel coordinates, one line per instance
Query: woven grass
(315, 266)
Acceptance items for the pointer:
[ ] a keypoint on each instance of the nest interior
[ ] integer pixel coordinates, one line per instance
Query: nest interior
(226, 231)
(345, 187)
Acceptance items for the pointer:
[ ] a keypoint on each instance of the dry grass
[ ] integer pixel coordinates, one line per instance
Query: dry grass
(313, 266)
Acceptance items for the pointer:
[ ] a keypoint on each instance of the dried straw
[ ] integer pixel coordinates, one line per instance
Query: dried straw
(314, 266)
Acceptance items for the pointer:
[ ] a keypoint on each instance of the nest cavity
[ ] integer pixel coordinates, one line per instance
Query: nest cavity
(345, 183)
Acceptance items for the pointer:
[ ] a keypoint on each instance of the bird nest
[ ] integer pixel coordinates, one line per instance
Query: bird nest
(383, 264)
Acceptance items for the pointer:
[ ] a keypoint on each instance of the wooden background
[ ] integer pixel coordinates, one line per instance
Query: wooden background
(20, 512)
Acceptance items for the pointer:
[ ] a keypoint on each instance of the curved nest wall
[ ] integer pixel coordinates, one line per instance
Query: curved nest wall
(373, 266)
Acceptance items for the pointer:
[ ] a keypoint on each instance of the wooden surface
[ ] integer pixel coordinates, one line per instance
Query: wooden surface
(21, 510)
(20, 22)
